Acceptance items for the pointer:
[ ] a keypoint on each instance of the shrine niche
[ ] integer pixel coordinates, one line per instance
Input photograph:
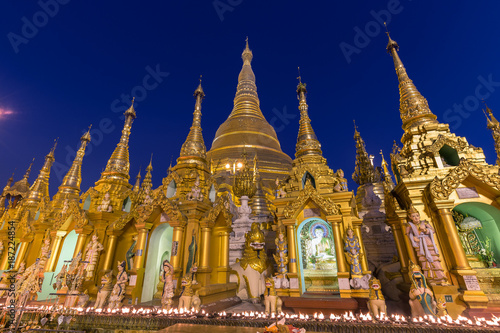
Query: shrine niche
(317, 257)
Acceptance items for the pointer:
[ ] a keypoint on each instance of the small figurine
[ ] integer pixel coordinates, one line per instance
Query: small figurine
(186, 295)
(280, 192)
(376, 300)
(118, 292)
(91, 256)
(131, 254)
(168, 285)
(104, 290)
(45, 252)
(441, 307)
(195, 194)
(60, 278)
(271, 300)
(421, 297)
(421, 235)
(196, 302)
(352, 248)
(105, 205)
(281, 256)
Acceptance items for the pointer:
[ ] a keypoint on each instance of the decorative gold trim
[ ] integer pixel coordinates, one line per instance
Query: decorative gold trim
(441, 189)
(309, 192)
(442, 140)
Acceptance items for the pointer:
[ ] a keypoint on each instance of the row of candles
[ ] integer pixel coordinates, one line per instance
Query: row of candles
(347, 317)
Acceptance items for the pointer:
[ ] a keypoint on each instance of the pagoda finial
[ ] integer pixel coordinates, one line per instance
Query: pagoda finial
(137, 185)
(364, 172)
(494, 126)
(307, 142)
(118, 165)
(385, 168)
(194, 146)
(40, 188)
(414, 109)
(70, 187)
(147, 183)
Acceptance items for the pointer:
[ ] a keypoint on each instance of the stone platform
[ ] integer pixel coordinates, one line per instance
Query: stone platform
(310, 304)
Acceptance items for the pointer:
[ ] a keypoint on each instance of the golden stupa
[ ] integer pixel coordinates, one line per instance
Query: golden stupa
(247, 130)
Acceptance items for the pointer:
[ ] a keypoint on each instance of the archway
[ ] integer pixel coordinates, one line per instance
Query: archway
(490, 221)
(317, 257)
(66, 254)
(159, 249)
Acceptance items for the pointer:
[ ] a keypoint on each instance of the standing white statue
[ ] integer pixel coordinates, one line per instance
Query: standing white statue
(91, 256)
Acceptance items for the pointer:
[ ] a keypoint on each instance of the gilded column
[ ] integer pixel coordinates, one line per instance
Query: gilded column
(398, 240)
(141, 246)
(110, 251)
(177, 248)
(339, 244)
(5, 258)
(82, 238)
(457, 250)
(292, 244)
(54, 250)
(20, 255)
(205, 248)
(362, 252)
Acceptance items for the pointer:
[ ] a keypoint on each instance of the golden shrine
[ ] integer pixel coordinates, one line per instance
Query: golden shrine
(226, 220)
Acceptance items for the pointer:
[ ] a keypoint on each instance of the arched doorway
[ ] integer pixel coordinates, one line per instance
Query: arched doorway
(66, 254)
(159, 249)
(489, 216)
(317, 257)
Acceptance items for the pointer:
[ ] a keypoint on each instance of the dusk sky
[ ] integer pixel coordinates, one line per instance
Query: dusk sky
(66, 64)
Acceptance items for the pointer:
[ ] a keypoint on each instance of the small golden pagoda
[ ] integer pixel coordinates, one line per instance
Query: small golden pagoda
(439, 175)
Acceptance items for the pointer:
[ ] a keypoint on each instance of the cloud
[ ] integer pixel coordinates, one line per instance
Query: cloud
(4, 113)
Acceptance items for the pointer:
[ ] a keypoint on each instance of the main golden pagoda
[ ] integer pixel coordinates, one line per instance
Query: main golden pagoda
(245, 192)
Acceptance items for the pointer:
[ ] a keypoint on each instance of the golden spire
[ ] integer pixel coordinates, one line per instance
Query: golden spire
(118, 165)
(137, 185)
(307, 142)
(414, 109)
(70, 187)
(194, 146)
(246, 100)
(147, 183)
(40, 188)
(247, 128)
(385, 168)
(492, 121)
(364, 172)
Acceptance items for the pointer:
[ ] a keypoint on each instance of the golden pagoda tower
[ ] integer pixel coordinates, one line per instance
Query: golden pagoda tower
(314, 199)
(247, 129)
(438, 175)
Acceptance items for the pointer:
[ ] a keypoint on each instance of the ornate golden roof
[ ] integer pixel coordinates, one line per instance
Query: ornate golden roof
(193, 149)
(247, 128)
(40, 188)
(414, 109)
(21, 187)
(364, 172)
(307, 142)
(118, 166)
(70, 187)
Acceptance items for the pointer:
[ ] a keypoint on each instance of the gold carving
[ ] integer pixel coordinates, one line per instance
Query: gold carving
(442, 140)
(309, 192)
(441, 189)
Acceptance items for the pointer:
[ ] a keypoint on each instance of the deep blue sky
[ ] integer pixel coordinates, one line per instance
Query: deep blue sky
(67, 75)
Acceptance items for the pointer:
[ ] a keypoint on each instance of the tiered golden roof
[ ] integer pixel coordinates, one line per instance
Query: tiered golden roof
(364, 172)
(247, 128)
(118, 166)
(193, 149)
(70, 187)
(40, 188)
(21, 187)
(307, 142)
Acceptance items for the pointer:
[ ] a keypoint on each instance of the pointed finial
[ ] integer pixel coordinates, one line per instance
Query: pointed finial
(355, 127)
(27, 173)
(199, 90)
(392, 44)
(150, 166)
(86, 136)
(301, 88)
(300, 79)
